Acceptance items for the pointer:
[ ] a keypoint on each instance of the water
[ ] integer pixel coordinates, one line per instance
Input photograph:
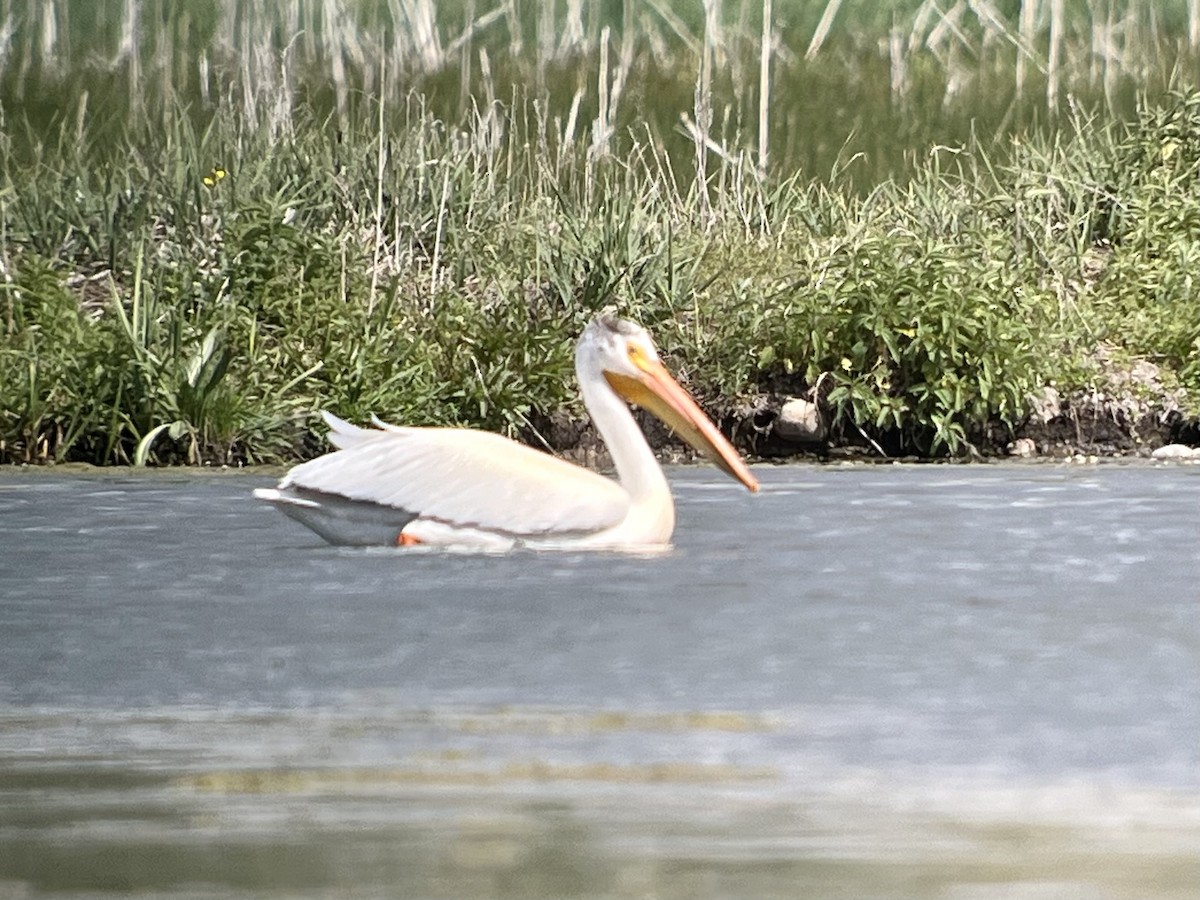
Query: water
(866, 682)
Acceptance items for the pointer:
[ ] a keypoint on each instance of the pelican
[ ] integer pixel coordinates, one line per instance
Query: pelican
(455, 486)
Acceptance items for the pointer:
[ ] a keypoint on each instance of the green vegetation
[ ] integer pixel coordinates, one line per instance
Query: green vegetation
(206, 235)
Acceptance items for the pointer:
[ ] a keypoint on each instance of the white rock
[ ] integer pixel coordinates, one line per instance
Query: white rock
(1047, 407)
(1023, 447)
(800, 420)
(1176, 451)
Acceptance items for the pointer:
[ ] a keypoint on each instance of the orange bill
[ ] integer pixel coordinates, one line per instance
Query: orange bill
(658, 392)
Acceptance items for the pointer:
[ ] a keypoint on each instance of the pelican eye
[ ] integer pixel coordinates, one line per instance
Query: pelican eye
(637, 355)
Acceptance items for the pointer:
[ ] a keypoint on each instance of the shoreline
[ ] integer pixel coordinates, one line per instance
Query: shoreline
(590, 453)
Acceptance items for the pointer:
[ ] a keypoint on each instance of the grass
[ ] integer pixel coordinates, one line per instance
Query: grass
(189, 276)
(867, 87)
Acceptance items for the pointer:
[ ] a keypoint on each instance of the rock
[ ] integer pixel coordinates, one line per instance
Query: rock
(800, 421)
(1176, 451)
(1025, 448)
(1047, 407)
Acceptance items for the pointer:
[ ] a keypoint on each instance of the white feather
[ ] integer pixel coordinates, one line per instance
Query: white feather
(463, 478)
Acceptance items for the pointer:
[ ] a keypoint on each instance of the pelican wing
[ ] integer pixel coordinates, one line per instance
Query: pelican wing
(463, 478)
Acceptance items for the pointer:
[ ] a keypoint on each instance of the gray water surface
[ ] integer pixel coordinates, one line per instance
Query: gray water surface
(865, 682)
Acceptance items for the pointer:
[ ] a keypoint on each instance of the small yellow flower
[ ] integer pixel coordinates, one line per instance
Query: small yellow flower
(214, 176)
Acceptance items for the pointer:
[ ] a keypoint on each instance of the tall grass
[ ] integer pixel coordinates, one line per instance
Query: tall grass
(817, 85)
(215, 220)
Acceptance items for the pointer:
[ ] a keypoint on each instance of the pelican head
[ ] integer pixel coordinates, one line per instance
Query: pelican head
(623, 354)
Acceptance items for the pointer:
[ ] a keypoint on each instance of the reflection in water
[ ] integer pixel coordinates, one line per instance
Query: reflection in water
(936, 682)
(189, 804)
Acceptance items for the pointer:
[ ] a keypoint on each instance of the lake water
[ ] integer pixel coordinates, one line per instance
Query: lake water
(958, 682)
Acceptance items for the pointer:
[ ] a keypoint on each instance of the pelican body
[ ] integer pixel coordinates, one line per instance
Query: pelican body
(393, 485)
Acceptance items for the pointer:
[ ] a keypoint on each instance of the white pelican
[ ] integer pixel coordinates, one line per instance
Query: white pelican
(455, 486)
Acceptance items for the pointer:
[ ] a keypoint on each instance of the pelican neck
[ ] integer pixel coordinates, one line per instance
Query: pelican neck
(637, 469)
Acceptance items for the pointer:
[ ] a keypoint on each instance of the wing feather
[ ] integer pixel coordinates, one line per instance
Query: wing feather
(465, 478)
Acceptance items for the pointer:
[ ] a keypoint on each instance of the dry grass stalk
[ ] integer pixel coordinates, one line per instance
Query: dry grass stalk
(823, 26)
(899, 64)
(949, 27)
(568, 131)
(676, 24)
(624, 63)
(703, 121)
(49, 33)
(764, 83)
(601, 129)
(128, 51)
(420, 19)
(920, 26)
(1052, 66)
(572, 38)
(1027, 32)
(380, 169)
(515, 44)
